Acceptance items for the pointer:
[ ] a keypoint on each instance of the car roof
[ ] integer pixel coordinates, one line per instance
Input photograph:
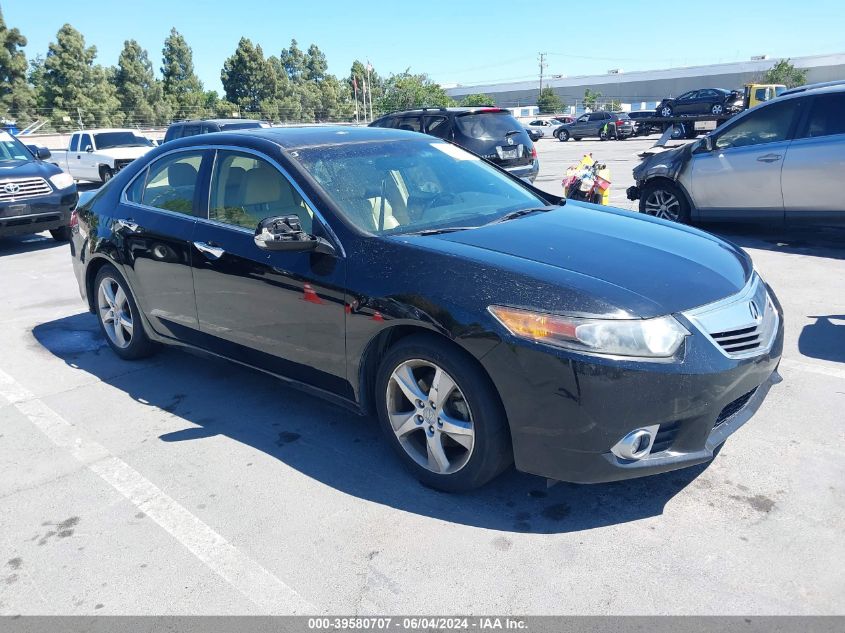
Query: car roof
(102, 130)
(218, 121)
(818, 86)
(297, 137)
(453, 110)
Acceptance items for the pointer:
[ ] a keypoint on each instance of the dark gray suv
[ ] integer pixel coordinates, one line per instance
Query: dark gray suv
(491, 133)
(603, 125)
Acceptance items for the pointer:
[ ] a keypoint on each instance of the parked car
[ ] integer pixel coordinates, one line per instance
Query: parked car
(643, 129)
(545, 126)
(479, 318)
(597, 124)
(97, 155)
(716, 101)
(181, 129)
(767, 163)
(534, 135)
(491, 133)
(35, 196)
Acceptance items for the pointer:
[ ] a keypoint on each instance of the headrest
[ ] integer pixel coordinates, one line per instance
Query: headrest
(181, 175)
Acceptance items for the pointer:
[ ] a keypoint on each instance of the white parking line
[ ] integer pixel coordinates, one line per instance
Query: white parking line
(813, 368)
(260, 586)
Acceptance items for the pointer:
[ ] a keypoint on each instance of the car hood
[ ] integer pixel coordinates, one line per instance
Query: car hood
(26, 169)
(630, 265)
(124, 152)
(664, 163)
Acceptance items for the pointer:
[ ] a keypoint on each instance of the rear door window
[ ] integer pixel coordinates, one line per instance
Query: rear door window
(172, 182)
(409, 123)
(827, 115)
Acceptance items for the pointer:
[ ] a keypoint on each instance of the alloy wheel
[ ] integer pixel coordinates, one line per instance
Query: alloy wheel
(663, 204)
(115, 312)
(717, 109)
(430, 416)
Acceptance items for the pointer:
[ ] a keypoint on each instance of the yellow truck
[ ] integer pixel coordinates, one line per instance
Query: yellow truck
(756, 94)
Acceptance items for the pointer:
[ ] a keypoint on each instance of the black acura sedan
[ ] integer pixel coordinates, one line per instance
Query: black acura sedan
(483, 321)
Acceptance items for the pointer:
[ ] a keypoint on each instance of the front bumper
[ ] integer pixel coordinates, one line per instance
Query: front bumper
(633, 193)
(567, 410)
(34, 215)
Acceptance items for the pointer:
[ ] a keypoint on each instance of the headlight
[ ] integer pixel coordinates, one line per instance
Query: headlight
(647, 338)
(61, 180)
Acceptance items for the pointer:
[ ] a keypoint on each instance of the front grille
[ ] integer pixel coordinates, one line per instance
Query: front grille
(13, 190)
(121, 163)
(733, 408)
(666, 434)
(742, 325)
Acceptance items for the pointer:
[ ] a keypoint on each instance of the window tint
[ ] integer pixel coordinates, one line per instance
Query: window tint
(410, 123)
(172, 181)
(246, 189)
(688, 95)
(173, 132)
(437, 126)
(487, 126)
(74, 143)
(85, 143)
(769, 124)
(135, 191)
(597, 116)
(190, 130)
(109, 140)
(827, 115)
(707, 94)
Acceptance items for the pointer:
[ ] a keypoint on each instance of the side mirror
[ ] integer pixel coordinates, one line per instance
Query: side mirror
(89, 149)
(42, 153)
(284, 233)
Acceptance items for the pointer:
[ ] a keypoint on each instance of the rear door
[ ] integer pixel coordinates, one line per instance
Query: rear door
(814, 166)
(741, 177)
(282, 311)
(596, 122)
(686, 103)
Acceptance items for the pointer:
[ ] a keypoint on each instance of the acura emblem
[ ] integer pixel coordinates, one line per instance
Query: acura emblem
(755, 311)
(11, 187)
(510, 141)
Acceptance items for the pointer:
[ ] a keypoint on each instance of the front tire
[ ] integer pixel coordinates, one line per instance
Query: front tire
(563, 136)
(62, 234)
(119, 317)
(106, 174)
(663, 199)
(441, 414)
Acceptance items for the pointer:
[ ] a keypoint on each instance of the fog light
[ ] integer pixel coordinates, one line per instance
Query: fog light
(636, 444)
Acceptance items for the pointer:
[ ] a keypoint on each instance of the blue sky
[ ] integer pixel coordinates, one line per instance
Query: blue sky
(469, 41)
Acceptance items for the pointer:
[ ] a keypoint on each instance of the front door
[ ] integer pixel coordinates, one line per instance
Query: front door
(156, 223)
(87, 165)
(743, 172)
(281, 311)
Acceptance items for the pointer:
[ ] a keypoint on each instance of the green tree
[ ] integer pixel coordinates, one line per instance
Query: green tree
(73, 87)
(141, 94)
(787, 74)
(316, 65)
(17, 98)
(478, 99)
(248, 79)
(548, 101)
(181, 85)
(406, 91)
(591, 99)
(293, 61)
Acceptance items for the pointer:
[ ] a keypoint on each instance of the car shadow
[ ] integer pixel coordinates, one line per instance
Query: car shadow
(28, 244)
(824, 339)
(817, 241)
(337, 447)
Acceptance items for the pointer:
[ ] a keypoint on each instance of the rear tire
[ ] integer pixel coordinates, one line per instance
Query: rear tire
(666, 111)
(119, 316)
(468, 408)
(61, 234)
(665, 200)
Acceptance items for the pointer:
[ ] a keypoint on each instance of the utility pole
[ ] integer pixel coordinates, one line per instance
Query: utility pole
(543, 65)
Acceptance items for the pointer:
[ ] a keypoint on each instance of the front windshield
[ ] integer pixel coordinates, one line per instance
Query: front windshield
(409, 186)
(12, 149)
(108, 140)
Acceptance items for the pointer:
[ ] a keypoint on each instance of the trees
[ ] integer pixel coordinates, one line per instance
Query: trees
(182, 88)
(141, 95)
(17, 98)
(548, 101)
(74, 89)
(477, 99)
(591, 99)
(406, 91)
(786, 73)
(248, 79)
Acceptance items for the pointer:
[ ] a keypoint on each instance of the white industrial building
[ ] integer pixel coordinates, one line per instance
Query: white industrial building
(643, 89)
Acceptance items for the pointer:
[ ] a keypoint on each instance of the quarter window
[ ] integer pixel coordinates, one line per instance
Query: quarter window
(171, 183)
(768, 124)
(437, 126)
(826, 115)
(246, 189)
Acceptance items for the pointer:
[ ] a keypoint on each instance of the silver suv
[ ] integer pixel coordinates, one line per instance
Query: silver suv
(782, 160)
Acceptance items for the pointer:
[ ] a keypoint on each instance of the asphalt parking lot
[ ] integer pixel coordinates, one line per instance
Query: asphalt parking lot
(187, 485)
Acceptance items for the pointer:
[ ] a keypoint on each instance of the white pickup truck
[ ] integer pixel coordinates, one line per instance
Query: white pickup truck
(99, 154)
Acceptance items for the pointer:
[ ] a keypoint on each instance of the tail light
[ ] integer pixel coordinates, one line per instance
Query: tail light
(74, 219)
(620, 122)
(533, 152)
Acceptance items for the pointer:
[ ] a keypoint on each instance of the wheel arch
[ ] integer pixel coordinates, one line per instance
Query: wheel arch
(95, 264)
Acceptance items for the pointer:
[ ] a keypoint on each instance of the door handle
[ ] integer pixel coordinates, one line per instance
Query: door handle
(769, 158)
(129, 225)
(209, 250)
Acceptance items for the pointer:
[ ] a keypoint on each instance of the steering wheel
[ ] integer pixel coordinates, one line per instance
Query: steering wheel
(443, 195)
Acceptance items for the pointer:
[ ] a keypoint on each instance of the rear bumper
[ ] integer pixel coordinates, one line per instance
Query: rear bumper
(526, 172)
(37, 214)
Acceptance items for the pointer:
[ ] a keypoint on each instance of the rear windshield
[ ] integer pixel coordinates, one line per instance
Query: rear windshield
(240, 126)
(622, 115)
(107, 140)
(487, 126)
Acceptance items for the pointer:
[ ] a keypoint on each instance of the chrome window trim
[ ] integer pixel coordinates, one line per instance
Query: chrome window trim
(696, 315)
(216, 148)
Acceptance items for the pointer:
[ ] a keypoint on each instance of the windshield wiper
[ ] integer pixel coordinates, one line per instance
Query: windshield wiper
(444, 229)
(521, 212)
(510, 132)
